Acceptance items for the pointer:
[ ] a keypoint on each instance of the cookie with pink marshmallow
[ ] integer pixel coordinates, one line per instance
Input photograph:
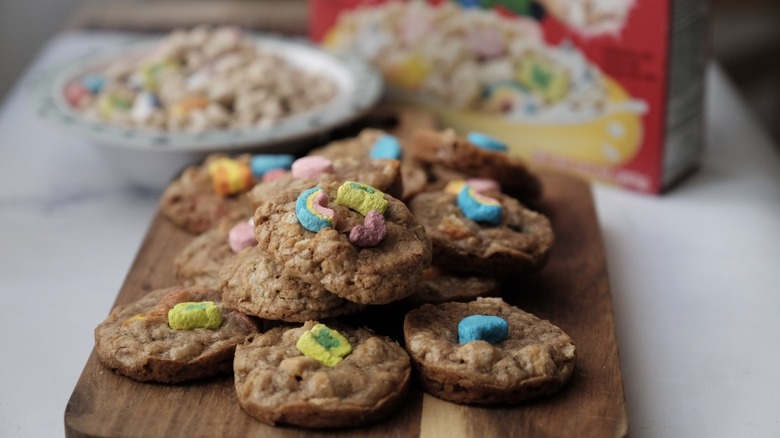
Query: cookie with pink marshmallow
(352, 239)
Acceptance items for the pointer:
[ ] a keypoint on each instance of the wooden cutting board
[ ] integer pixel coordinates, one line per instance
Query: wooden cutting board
(572, 291)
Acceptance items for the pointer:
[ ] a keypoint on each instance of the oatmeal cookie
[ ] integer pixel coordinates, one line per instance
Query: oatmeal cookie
(413, 172)
(277, 383)
(252, 283)
(384, 175)
(439, 286)
(199, 262)
(191, 203)
(536, 358)
(388, 271)
(445, 148)
(137, 341)
(519, 244)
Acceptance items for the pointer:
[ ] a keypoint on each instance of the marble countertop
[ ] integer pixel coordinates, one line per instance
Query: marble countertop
(694, 273)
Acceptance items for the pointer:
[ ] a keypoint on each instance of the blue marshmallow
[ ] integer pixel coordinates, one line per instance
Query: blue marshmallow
(484, 141)
(266, 162)
(93, 82)
(386, 146)
(488, 328)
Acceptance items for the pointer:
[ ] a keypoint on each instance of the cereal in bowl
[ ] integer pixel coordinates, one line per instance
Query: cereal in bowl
(197, 80)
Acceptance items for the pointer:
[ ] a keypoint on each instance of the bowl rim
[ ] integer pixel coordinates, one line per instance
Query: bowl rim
(360, 87)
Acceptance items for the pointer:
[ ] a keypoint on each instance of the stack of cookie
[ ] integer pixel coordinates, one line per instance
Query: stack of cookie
(432, 221)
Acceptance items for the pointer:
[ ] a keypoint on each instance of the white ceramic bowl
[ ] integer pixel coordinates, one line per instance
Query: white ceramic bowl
(152, 158)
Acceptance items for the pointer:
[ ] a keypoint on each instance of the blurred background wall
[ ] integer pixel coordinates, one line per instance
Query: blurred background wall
(746, 40)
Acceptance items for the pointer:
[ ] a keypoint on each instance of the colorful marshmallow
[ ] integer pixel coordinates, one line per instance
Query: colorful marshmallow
(550, 82)
(149, 75)
(242, 236)
(94, 82)
(371, 233)
(361, 198)
(187, 105)
(229, 176)
(386, 146)
(484, 141)
(193, 315)
(311, 209)
(110, 102)
(311, 167)
(327, 346)
(478, 207)
(264, 163)
(488, 328)
(76, 93)
(274, 174)
(480, 185)
(143, 106)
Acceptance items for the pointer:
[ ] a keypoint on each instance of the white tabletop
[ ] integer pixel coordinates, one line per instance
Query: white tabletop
(695, 274)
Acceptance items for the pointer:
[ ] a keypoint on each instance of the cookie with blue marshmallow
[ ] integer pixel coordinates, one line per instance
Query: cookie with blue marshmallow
(375, 145)
(487, 352)
(492, 234)
(483, 159)
(363, 257)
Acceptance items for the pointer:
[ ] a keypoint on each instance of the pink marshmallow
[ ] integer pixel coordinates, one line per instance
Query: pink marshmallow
(371, 233)
(481, 185)
(75, 93)
(274, 174)
(241, 236)
(321, 205)
(311, 167)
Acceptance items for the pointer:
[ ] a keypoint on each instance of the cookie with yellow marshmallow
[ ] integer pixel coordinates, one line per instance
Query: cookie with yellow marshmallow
(206, 194)
(172, 335)
(352, 239)
(320, 376)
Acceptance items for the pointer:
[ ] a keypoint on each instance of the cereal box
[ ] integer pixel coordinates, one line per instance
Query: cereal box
(610, 89)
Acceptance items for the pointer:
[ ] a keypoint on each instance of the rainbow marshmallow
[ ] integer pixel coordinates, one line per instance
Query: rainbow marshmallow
(311, 209)
(478, 207)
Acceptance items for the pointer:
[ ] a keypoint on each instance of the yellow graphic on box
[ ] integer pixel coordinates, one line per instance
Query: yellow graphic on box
(541, 99)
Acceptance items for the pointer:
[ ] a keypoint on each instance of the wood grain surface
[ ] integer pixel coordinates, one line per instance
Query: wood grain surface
(572, 291)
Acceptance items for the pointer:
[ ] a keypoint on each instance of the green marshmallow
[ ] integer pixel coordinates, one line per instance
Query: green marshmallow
(542, 76)
(191, 315)
(327, 346)
(361, 198)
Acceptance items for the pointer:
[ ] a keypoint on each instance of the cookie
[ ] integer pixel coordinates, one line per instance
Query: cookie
(535, 359)
(253, 284)
(445, 148)
(384, 175)
(199, 262)
(137, 341)
(413, 173)
(277, 383)
(388, 271)
(191, 202)
(439, 286)
(518, 244)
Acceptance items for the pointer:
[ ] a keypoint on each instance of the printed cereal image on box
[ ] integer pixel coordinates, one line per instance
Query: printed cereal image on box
(574, 84)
